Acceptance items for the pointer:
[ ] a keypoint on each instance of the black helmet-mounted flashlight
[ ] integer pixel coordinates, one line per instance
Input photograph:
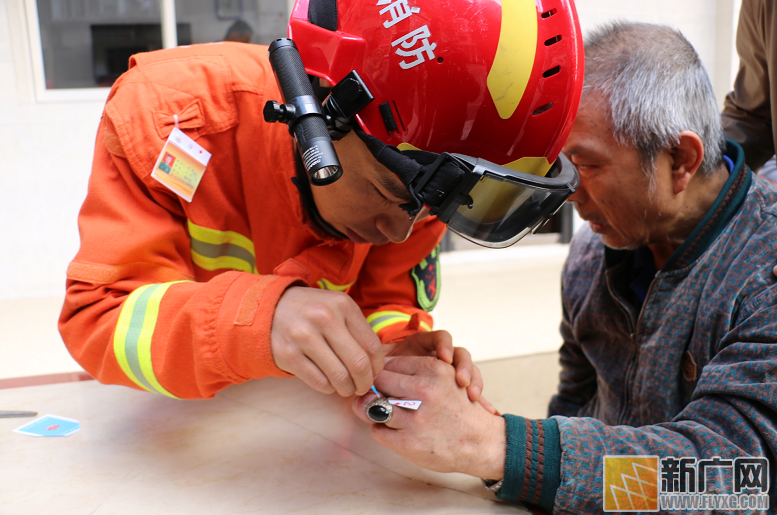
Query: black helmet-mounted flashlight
(312, 124)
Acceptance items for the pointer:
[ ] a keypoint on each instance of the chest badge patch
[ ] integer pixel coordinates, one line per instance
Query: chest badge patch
(426, 275)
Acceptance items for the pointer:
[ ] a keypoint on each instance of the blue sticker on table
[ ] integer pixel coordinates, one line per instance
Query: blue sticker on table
(50, 425)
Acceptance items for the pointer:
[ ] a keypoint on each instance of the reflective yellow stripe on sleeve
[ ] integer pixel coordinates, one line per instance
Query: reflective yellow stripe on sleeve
(324, 284)
(134, 331)
(382, 319)
(213, 250)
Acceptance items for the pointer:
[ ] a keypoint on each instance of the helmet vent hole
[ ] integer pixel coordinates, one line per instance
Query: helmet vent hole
(548, 14)
(553, 41)
(542, 109)
(440, 60)
(551, 72)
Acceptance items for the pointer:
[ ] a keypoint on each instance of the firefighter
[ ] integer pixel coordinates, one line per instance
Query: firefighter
(216, 248)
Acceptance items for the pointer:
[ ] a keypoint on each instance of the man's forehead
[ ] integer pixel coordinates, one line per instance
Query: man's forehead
(581, 146)
(590, 133)
(582, 142)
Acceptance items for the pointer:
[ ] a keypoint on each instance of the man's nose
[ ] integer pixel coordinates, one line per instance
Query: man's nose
(422, 215)
(396, 227)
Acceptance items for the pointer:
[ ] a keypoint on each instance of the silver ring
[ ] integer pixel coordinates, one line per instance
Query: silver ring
(379, 410)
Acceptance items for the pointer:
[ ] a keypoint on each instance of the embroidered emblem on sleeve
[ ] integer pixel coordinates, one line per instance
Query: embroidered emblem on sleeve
(426, 275)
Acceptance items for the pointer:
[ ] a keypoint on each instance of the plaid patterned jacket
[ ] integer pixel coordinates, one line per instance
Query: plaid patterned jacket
(694, 373)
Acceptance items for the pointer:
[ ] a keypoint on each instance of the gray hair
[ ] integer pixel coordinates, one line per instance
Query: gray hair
(653, 86)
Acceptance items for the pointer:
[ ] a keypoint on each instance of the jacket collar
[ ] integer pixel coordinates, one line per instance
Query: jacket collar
(730, 199)
(295, 184)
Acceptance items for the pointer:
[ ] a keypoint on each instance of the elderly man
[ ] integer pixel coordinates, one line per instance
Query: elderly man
(670, 313)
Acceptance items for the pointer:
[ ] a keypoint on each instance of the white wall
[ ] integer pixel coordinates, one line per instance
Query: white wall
(708, 24)
(45, 147)
(45, 156)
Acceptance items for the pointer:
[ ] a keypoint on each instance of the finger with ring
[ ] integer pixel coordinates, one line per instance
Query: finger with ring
(379, 410)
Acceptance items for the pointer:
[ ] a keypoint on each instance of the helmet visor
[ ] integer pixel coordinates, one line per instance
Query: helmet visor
(503, 207)
(486, 203)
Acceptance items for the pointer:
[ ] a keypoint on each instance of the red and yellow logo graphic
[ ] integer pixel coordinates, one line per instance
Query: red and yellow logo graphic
(630, 483)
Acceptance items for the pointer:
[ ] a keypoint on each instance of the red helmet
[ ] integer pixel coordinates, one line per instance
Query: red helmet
(498, 81)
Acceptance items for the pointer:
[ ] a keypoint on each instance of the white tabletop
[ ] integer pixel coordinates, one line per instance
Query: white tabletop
(268, 446)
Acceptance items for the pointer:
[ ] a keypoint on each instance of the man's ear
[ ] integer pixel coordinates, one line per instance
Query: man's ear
(686, 159)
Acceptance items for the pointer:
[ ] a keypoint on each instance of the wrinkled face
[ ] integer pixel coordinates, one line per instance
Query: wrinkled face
(364, 203)
(614, 194)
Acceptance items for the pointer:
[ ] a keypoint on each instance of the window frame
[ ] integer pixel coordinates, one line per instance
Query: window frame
(44, 95)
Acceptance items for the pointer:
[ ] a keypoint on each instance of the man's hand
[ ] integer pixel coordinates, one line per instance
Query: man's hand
(322, 337)
(448, 432)
(439, 344)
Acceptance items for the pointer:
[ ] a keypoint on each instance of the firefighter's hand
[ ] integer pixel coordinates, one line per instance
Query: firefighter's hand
(448, 432)
(322, 337)
(439, 344)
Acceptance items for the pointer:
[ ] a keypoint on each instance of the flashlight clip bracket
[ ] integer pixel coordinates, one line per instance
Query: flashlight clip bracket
(292, 111)
(345, 100)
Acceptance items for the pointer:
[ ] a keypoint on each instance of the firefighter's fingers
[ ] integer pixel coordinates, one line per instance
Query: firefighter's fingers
(311, 325)
(356, 373)
(368, 341)
(303, 351)
(311, 375)
(341, 369)
(315, 362)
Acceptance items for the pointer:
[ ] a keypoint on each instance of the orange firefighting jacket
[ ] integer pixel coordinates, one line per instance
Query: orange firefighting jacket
(178, 297)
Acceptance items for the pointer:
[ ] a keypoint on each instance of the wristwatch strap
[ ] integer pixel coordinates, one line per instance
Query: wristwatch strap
(493, 485)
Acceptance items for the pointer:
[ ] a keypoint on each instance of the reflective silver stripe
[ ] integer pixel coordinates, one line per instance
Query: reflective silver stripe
(214, 250)
(133, 337)
(134, 334)
(377, 321)
(211, 250)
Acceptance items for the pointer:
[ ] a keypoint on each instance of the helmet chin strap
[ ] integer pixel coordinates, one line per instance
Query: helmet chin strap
(428, 178)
